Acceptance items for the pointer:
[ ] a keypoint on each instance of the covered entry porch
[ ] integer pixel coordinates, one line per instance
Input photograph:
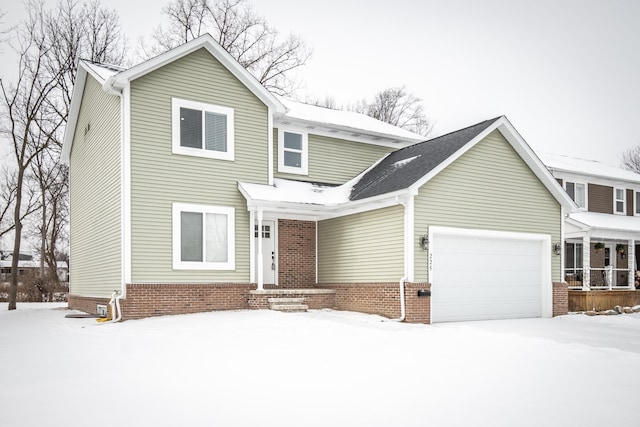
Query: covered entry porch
(601, 260)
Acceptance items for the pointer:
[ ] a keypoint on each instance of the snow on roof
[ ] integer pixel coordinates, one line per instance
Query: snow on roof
(355, 122)
(103, 71)
(288, 191)
(586, 167)
(607, 221)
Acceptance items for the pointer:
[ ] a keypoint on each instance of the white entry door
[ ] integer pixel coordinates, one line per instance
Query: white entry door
(268, 251)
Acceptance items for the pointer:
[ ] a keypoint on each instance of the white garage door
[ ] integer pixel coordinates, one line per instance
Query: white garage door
(482, 274)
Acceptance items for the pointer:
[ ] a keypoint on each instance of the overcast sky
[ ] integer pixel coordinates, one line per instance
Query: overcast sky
(566, 72)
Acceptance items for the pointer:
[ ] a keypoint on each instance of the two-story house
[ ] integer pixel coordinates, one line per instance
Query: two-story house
(602, 239)
(193, 188)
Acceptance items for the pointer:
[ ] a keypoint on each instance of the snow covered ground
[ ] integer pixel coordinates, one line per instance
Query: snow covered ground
(321, 368)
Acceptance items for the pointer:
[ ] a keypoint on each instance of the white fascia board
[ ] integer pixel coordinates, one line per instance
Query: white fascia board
(574, 176)
(535, 164)
(524, 151)
(468, 146)
(74, 112)
(348, 133)
(118, 81)
(319, 212)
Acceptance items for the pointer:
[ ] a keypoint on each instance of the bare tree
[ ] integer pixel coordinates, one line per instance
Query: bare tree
(51, 178)
(25, 103)
(630, 159)
(398, 107)
(241, 32)
(7, 199)
(49, 45)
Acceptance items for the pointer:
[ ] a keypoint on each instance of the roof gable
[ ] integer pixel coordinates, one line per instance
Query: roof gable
(411, 167)
(403, 168)
(118, 81)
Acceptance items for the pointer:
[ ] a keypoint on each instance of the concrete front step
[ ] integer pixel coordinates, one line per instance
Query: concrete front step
(290, 308)
(284, 300)
(288, 304)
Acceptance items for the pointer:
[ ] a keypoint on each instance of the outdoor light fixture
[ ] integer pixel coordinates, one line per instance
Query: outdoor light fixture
(424, 242)
(556, 248)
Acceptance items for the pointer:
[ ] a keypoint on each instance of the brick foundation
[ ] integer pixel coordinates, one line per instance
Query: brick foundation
(383, 299)
(560, 299)
(86, 304)
(296, 254)
(149, 300)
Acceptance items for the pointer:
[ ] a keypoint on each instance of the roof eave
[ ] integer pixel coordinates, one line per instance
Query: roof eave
(120, 80)
(524, 151)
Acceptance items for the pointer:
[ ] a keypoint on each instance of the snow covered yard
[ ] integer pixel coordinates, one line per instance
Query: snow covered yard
(321, 368)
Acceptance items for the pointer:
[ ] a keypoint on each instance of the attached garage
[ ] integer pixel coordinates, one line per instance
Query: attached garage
(486, 274)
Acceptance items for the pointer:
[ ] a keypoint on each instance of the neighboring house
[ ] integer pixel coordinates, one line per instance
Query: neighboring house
(193, 188)
(602, 239)
(27, 265)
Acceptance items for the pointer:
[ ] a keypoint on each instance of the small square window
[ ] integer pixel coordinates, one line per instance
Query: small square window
(637, 206)
(292, 152)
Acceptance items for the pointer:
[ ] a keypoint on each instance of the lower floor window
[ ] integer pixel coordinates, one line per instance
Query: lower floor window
(574, 256)
(203, 237)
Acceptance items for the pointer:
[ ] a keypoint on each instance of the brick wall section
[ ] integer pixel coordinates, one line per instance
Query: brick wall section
(87, 304)
(296, 254)
(383, 299)
(149, 300)
(560, 299)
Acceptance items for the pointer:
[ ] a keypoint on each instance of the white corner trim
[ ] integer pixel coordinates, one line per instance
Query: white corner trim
(126, 185)
(270, 150)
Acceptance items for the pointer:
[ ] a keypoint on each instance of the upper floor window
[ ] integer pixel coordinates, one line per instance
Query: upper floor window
(577, 192)
(203, 237)
(292, 152)
(637, 206)
(619, 201)
(203, 130)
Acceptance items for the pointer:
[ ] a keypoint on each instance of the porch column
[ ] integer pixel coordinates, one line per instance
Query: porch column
(631, 264)
(586, 263)
(260, 258)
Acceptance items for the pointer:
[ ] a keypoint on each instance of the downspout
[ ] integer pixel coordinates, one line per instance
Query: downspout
(403, 309)
(116, 310)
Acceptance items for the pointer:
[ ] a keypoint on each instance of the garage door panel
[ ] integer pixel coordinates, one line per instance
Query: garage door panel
(485, 277)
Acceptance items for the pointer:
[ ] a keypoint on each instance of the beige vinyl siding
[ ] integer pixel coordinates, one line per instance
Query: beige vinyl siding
(95, 186)
(332, 160)
(488, 187)
(362, 248)
(160, 178)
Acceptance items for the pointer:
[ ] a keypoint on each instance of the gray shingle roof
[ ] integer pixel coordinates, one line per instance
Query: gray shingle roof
(402, 168)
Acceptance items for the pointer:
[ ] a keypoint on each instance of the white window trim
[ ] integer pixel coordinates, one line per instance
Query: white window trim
(586, 192)
(624, 200)
(231, 249)
(176, 104)
(304, 168)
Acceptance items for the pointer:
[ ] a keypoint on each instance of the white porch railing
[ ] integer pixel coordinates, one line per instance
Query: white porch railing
(598, 278)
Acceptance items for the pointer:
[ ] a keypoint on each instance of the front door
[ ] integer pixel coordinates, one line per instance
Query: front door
(268, 251)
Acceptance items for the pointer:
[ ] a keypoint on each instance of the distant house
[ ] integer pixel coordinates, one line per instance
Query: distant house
(602, 239)
(27, 265)
(193, 188)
